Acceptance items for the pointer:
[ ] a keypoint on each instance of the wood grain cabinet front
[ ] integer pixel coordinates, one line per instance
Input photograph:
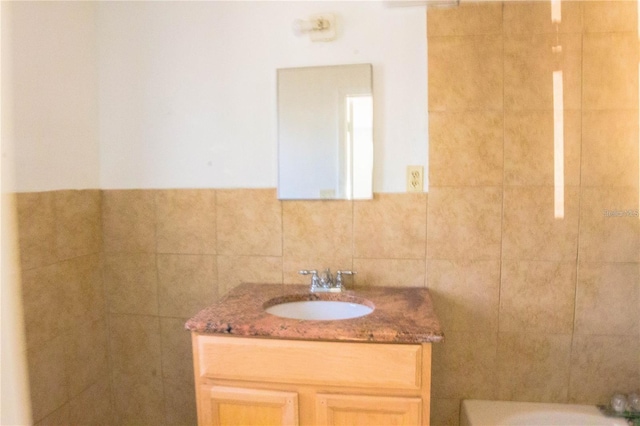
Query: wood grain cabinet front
(224, 405)
(334, 410)
(251, 381)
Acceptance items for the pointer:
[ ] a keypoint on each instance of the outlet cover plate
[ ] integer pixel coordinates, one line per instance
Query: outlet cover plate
(415, 178)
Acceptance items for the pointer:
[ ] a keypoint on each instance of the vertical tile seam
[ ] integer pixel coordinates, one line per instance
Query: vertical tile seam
(353, 233)
(107, 303)
(580, 192)
(156, 196)
(217, 249)
(281, 205)
(496, 383)
(502, 204)
(426, 236)
(62, 335)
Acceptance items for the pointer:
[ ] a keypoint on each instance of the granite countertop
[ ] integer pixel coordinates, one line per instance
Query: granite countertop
(401, 315)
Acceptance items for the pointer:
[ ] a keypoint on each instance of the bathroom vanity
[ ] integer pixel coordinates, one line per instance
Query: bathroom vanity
(252, 367)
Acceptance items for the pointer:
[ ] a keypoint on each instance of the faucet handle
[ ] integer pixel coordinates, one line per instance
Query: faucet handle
(315, 279)
(339, 275)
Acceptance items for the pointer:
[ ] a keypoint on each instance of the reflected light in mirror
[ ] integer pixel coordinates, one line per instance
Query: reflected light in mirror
(359, 148)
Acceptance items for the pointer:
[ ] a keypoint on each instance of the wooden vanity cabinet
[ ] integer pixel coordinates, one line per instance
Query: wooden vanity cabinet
(252, 381)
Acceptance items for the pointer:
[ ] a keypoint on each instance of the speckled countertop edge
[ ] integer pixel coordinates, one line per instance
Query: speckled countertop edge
(401, 315)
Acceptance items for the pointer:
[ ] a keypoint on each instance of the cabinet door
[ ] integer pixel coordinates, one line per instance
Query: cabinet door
(222, 405)
(367, 410)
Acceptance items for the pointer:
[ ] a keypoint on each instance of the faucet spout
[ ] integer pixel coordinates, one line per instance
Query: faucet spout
(326, 281)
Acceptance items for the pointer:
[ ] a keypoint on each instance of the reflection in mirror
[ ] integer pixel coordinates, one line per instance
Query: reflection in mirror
(325, 132)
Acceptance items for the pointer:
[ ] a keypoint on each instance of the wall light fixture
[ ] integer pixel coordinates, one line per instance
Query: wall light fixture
(320, 27)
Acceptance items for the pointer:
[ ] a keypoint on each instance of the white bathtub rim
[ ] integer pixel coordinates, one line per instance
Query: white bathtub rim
(475, 412)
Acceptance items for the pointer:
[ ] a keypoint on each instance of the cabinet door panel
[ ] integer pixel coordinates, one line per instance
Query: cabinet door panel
(339, 410)
(224, 405)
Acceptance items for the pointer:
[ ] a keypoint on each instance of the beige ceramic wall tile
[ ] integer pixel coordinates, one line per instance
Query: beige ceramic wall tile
(139, 399)
(78, 223)
(530, 153)
(48, 382)
(131, 282)
(84, 289)
(464, 366)
(601, 366)
(445, 412)
(186, 221)
(59, 417)
(464, 223)
(531, 230)
(388, 272)
(234, 270)
(177, 359)
(93, 406)
(249, 222)
(465, 293)
(56, 297)
(537, 297)
(179, 403)
(529, 64)
(610, 16)
(129, 221)
(42, 298)
(186, 284)
(466, 19)
(86, 355)
(607, 299)
(533, 17)
(610, 71)
(610, 148)
(317, 229)
(134, 342)
(533, 367)
(391, 226)
(36, 229)
(466, 148)
(609, 229)
(465, 73)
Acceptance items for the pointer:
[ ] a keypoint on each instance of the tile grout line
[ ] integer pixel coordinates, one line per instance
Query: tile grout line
(580, 189)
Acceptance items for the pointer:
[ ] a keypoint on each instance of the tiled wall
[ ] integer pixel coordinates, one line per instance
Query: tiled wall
(535, 308)
(64, 306)
(169, 253)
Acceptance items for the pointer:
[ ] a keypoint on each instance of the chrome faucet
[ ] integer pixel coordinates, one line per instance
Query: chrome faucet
(315, 279)
(325, 282)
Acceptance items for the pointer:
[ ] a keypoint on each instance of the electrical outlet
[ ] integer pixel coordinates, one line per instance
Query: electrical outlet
(415, 178)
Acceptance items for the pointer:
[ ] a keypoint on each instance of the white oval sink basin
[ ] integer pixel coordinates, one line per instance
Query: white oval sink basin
(322, 310)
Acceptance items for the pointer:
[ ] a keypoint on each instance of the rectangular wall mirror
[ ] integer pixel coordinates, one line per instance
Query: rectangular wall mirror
(325, 132)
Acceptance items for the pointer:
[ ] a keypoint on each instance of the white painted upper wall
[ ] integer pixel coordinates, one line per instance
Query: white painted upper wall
(53, 95)
(188, 89)
(183, 94)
